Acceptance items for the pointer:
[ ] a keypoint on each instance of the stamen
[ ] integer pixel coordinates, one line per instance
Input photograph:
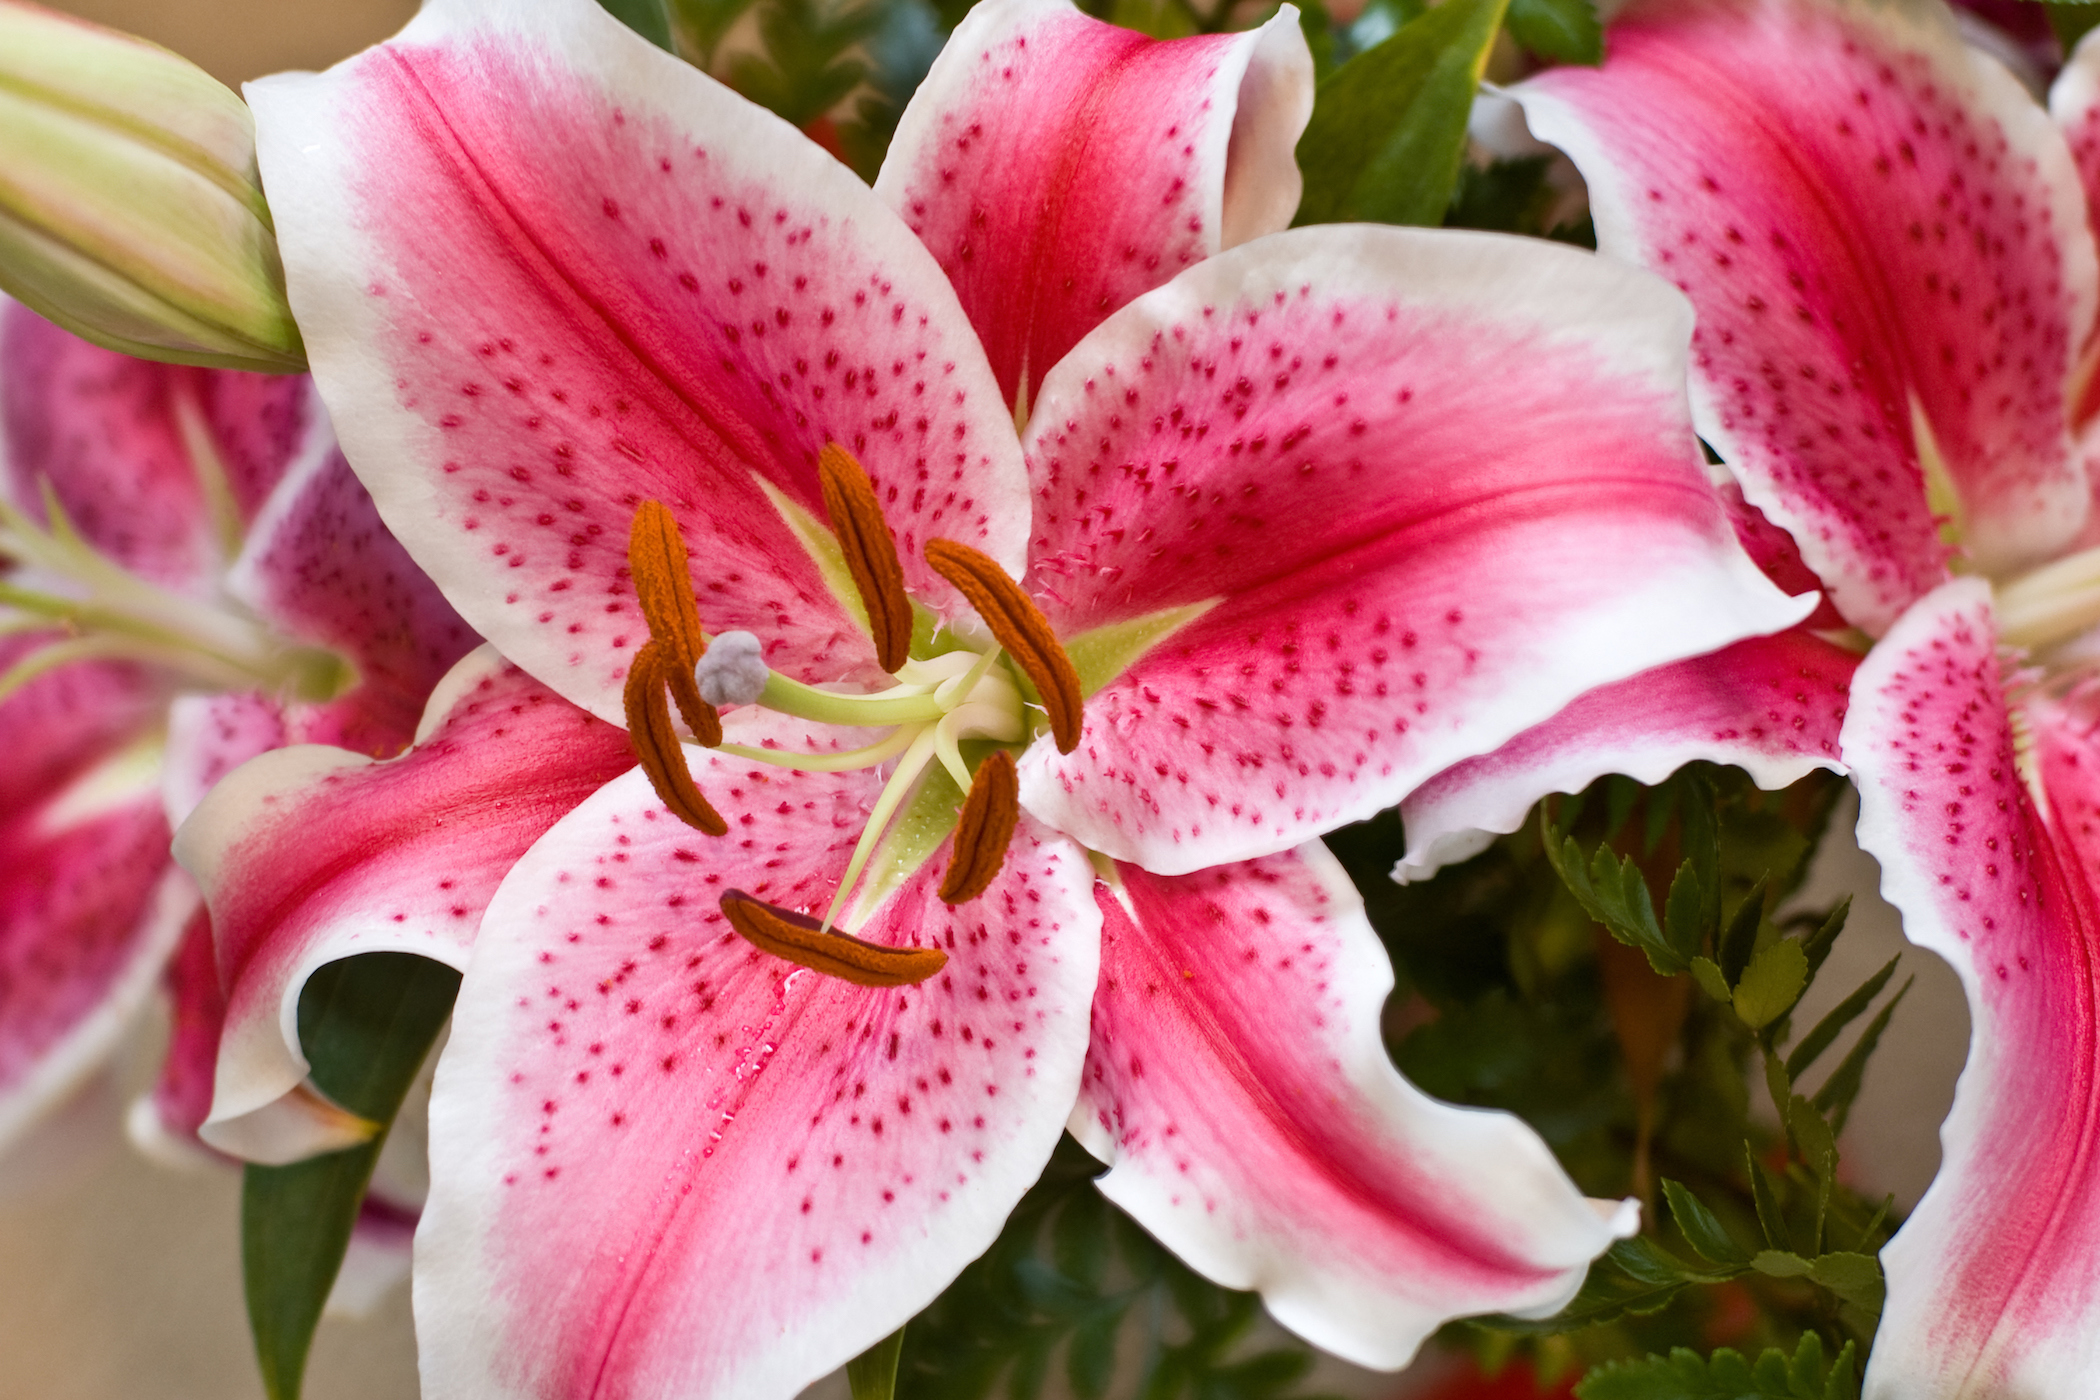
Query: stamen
(656, 744)
(886, 803)
(871, 555)
(806, 943)
(1020, 627)
(881, 751)
(663, 586)
(985, 829)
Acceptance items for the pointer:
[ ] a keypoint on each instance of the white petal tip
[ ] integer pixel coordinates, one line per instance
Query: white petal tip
(290, 1129)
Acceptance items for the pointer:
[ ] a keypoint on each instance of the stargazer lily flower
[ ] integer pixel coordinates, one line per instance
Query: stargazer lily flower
(1895, 280)
(1008, 815)
(192, 576)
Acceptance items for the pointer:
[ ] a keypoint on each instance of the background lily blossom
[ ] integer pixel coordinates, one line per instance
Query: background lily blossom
(1895, 277)
(1303, 552)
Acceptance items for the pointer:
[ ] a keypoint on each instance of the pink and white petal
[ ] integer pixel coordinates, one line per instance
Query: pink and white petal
(307, 855)
(1994, 1281)
(259, 426)
(1772, 706)
(163, 1122)
(546, 270)
(1239, 1086)
(2074, 104)
(1436, 484)
(101, 429)
(1878, 226)
(321, 565)
(208, 737)
(1059, 166)
(664, 1162)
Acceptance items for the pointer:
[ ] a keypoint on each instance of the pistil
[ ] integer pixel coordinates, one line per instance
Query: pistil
(2051, 604)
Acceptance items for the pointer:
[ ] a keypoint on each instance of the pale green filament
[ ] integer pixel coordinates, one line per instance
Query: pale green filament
(2051, 604)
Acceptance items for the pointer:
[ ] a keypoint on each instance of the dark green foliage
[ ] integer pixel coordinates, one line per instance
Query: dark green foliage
(1683, 1375)
(873, 1374)
(1072, 1283)
(645, 17)
(1564, 30)
(1388, 130)
(2072, 20)
(366, 1025)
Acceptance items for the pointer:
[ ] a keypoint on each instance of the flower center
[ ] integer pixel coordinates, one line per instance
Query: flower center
(2050, 605)
(956, 693)
(57, 580)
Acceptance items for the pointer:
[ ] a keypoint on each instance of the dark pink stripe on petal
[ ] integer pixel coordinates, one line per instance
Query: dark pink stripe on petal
(1059, 166)
(1994, 1281)
(1867, 216)
(1239, 1086)
(665, 1163)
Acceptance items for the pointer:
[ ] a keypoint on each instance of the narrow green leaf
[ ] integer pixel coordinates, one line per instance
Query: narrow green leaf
(1818, 943)
(644, 17)
(1781, 1263)
(1764, 1193)
(1811, 1134)
(366, 1025)
(1700, 1228)
(1771, 984)
(1779, 1084)
(1842, 1015)
(1684, 925)
(1866, 1233)
(1707, 973)
(1388, 129)
(1739, 939)
(873, 1374)
(1726, 1375)
(1635, 1276)
(1566, 30)
(1836, 1096)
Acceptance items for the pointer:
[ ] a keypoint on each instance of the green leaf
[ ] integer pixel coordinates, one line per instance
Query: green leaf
(366, 1024)
(1707, 973)
(1781, 1263)
(644, 17)
(1684, 913)
(1726, 1375)
(1566, 30)
(1772, 983)
(1764, 1193)
(1836, 1096)
(703, 24)
(1388, 130)
(1842, 1015)
(1635, 1276)
(2071, 21)
(1739, 939)
(1818, 944)
(1854, 1277)
(1612, 891)
(1811, 1134)
(873, 1374)
(1700, 1228)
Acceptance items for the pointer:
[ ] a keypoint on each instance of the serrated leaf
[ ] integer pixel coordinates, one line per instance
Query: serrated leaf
(1566, 30)
(1634, 1277)
(1707, 973)
(1771, 984)
(1837, 1093)
(644, 17)
(366, 1024)
(1684, 911)
(1699, 1227)
(1388, 130)
(1726, 1375)
(1739, 939)
(1764, 1194)
(1611, 890)
(872, 1375)
(1781, 1263)
(1811, 1134)
(1842, 1015)
(1817, 945)
(1854, 1277)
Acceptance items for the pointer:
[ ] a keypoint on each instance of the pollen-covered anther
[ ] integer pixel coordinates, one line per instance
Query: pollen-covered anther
(662, 670)
(984, 830)
(871, 555)
(1020, 627)
(803, 941)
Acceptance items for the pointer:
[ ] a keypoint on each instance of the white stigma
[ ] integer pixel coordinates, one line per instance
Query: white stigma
(733, 670)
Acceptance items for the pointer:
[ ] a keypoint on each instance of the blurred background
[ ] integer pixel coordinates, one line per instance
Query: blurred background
(120, 1278)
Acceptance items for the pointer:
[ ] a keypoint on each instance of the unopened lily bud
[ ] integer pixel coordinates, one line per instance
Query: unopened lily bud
(733, 672)
(130, 210)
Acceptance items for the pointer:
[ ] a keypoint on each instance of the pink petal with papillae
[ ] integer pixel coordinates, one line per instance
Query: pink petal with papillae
(1871, 216)
(664, 1162)
(1771, 706)
(1240, 1088)
(163, 1123)
(310, 854)
(321, 566)
(545, 270)
(1437, 484)
(1994, 1280)
(1058, 166)
(2074, 104)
